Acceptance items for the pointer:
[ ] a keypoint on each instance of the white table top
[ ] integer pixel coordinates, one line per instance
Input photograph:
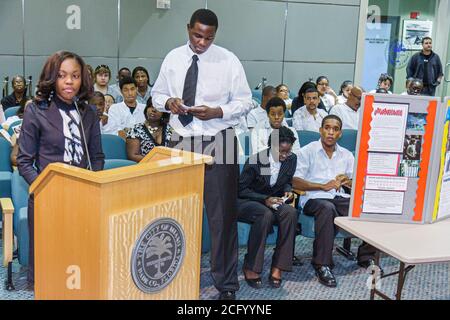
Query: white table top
(409, 243)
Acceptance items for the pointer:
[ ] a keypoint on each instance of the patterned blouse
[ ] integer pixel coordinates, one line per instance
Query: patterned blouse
(141, 132)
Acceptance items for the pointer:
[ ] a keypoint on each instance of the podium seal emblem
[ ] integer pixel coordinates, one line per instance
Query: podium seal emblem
(157, 255)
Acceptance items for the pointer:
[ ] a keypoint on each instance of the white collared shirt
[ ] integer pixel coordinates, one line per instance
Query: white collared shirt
(261, 133)
(349, 117)
(314, 165)
(275, 167)
(120, 117)
(221, 83)
(256, 116)
(328, 101)
(303, 120)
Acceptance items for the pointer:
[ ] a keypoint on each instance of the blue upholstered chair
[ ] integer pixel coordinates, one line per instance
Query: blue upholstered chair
(12, 111)
(117, 163)
(114, 147)
(5, 169)
(257, 95)
(305, 137)
(348, 139)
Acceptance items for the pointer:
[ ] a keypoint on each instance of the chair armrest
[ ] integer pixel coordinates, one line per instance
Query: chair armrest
(299, 192)
(7, 208)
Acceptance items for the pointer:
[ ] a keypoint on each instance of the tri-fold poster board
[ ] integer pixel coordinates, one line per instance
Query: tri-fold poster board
(402, 167)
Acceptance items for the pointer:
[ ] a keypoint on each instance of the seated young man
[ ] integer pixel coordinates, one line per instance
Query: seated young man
(309, 117)
(323, 169)
(264, 184)
(275, 109)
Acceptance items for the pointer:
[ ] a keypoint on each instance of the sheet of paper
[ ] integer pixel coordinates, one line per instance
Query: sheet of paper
(383, 164)
(388, 127)
(387, 202)
(386, 183)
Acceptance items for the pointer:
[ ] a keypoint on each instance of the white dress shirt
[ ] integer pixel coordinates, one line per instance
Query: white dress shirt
(349, 117)
(303, 120)
(256, 116)
(328, 101)
(314, 165)
(341, 99)
(275, 167)
(260, 137)
(221, 83)
(120, 117)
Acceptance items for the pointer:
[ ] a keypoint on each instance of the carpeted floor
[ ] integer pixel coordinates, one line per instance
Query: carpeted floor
(428, 281)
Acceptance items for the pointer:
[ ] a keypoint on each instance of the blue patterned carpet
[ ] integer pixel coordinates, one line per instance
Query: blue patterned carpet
(424, 282)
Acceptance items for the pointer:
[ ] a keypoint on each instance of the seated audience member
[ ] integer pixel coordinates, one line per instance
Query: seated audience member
(283, 93)
(125, 115)
(264, 181)
(415, 87)
(275, 109)
(349, 111)
(259, 114)
(344, 91)
(114, 89)
(381, 90)
(323, 170)
(102, 75)
(98, 100)
(109, 101)
(19, 95)
(384, 82)
(309, 117)
(140, 74)
(298, 101)
(153, 132)
(326, 93)
(10, 130)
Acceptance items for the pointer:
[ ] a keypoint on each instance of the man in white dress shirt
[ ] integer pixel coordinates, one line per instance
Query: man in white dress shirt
(259, 114)
(309, 117)
(128, 113)
(349, 111)
(324, 170)
(205, 89)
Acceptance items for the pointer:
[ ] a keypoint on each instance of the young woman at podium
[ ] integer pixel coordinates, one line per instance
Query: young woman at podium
(59, 126)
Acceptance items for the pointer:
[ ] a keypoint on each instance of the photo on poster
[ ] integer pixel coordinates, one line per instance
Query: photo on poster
(412, 147)
(409, 168)
(416, 122)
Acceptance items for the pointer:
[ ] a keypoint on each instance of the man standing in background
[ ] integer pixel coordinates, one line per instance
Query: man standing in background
(205, 89)
(427, 66)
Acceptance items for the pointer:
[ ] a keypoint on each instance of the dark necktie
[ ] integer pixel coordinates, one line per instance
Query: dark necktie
(190, 87)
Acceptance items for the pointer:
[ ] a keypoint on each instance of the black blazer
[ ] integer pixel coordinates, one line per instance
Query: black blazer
(256, 186)
(42, 141)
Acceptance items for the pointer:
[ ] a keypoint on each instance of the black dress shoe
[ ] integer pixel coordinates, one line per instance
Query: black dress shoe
(274, 282)
(370, 263)
(254, 283)
(325, 276)
(227, 295)
(296, 261)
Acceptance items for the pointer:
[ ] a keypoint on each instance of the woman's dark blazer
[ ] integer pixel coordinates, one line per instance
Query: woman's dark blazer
(254, 181)
(42, 141)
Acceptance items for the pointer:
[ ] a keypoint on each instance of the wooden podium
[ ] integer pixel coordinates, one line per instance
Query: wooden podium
(127, 233)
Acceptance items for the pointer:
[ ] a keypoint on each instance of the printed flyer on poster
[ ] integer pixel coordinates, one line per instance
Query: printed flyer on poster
(388, 127)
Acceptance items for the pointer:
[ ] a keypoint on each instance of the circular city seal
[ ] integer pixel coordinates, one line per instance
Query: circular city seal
(157, 255)
(398, 53)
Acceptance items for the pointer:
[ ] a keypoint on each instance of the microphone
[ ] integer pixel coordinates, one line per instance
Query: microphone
(261, 84)
(75, 100)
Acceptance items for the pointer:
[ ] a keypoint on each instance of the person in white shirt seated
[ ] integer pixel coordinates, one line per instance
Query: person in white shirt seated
(309, 117)
(102, 75)
(384, 82)
(140, 74)
(324, 171)
(125, 115)
(344, 91)
(275, 109)
(349, 112)
(98, 100)
(283, 93)
(259, 114)
(326, 93)
(114, 89)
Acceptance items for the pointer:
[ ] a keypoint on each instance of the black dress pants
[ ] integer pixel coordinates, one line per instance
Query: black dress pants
(324, 211)
(262, 219)
(220, 196)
